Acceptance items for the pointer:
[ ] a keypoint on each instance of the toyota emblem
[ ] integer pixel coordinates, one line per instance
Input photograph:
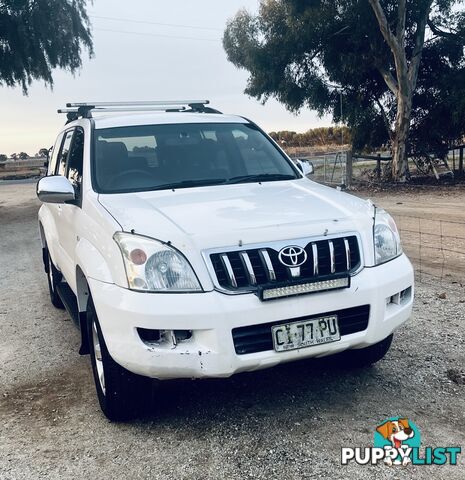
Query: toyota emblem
(292, 256)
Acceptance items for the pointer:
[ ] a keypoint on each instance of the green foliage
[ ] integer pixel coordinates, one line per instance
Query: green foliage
(307, 53)
(39, 36)
(23, 156)
(3, 157)
(314, 137)
(439, 104)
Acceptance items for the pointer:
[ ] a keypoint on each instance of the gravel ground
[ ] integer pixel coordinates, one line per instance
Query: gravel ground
(288, 422)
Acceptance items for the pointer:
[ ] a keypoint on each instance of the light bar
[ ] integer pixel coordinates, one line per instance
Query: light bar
(302, 288)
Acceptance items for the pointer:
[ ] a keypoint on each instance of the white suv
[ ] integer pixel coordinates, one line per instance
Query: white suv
(186, 244)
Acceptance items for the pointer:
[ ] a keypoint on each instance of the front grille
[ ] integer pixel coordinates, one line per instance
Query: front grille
(257, 338)
(250, 268)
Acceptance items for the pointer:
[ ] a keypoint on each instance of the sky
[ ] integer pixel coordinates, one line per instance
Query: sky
(184, 59)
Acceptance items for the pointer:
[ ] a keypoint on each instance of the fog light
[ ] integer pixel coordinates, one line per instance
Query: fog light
(163, 337)
(405, 295)
(395, 299)
(182, 335)
(149, 335)
(400, 298)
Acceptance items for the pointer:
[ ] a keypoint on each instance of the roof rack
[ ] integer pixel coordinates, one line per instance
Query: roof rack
(84, 110)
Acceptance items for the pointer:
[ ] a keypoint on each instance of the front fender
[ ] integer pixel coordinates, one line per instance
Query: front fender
(48, 233)
(92, 262)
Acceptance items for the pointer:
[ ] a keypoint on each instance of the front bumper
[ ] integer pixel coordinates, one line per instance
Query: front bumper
(212, 316)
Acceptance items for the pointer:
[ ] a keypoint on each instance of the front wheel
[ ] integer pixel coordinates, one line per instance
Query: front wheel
(121, 393)
(364, 357)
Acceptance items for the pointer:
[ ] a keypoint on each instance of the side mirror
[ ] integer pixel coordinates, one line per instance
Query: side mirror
(305, 167)
(55, 189)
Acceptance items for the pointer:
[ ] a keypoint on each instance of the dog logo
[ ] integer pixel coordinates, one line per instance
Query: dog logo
(397, 441)
(397, 432)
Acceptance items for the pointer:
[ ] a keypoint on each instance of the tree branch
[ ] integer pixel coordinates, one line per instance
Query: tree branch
(384, 26)
(397, 50)
(401, 17)
(387, 123)
(391, 82)
(459, 36)
(339, 31)
(418, 48)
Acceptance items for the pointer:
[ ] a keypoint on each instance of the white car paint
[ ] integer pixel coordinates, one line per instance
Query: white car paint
(198, 219)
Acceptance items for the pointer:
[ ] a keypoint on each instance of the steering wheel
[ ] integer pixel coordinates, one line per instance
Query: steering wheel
(135, 174)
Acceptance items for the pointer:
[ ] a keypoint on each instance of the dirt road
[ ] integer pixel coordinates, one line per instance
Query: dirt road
(289, 422)
(431, 220)
(429, 202)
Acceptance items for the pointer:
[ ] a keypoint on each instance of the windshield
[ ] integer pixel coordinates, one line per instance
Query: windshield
(158, 157)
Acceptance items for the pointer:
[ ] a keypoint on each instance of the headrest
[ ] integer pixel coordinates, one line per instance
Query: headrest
(115, 149)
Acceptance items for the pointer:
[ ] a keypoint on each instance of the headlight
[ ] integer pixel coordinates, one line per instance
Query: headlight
(153, 266)
(386, 237)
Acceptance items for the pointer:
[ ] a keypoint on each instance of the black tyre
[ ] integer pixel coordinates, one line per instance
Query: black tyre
(121, 394)
(54, 277)
(364, 357)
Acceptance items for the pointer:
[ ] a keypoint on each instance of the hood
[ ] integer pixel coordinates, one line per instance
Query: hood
(224, 215)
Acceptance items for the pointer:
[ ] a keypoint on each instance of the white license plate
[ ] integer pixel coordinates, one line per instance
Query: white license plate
(305, 333)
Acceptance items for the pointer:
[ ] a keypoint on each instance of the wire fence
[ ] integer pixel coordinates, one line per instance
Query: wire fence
(435, 247)
(329, 168)
(344, 168)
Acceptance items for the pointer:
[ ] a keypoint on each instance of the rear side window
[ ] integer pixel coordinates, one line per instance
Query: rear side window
(53, 159)
(63, 155)
(75, 159)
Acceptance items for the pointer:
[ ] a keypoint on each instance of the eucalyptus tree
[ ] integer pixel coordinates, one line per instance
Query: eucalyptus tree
(390, 62)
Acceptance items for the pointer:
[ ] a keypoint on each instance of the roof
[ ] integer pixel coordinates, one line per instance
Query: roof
(162, 118)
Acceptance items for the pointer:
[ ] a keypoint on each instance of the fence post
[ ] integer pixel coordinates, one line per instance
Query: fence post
(349, 162)
(378, 166)
(461, 161)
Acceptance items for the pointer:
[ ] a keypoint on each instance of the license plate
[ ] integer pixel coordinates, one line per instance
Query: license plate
(305, 333)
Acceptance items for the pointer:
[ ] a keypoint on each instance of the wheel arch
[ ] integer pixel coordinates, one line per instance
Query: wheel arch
(82, 289)
(43, 240)
(82, 297)
(48, 236)
(91, 262)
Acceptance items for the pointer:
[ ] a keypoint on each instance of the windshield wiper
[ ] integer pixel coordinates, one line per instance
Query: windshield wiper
(264, 177)
(190, 183)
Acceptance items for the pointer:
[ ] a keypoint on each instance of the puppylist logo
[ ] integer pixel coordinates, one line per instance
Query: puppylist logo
(397, 442)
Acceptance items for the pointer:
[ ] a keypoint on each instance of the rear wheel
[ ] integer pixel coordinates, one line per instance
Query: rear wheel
(121, 393)
(54, 277)
(364, 357)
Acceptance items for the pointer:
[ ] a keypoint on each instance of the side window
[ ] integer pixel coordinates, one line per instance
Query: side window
(75, 159)
(63, 155)
(53, 159)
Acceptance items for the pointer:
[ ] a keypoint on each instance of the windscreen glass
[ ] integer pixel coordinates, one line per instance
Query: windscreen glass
(157, 157)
